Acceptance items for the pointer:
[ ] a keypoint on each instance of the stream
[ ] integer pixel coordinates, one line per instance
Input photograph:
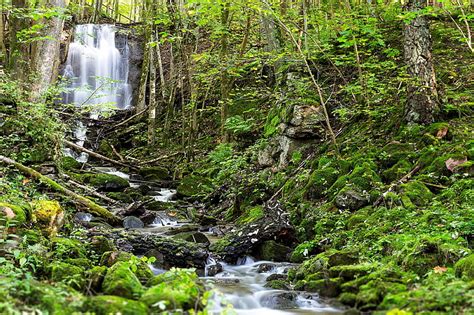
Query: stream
(94, 59)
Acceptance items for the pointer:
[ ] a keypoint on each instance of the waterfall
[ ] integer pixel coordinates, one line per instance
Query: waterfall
(97, 71)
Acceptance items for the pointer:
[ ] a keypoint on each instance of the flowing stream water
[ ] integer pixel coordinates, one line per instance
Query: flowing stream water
(97, 71)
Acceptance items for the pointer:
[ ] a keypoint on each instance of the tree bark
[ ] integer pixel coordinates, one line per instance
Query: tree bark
(422, 105)
(46, 60)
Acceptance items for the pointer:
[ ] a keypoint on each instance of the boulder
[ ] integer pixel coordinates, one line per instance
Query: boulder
(351, 199)
(280, 300)
(271, 250)
(132, 222)
(465, 267)
(70, 274)
(120, 280)
(48, 214)
(95, 277)
(154, 173)
(214, 269)
(194, 237)
(104, 182)
(194, 185)
(265, 267)
(306, 122)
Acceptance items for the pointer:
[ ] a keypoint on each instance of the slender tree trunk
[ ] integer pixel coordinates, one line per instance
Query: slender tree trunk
(224, 75)
(152, 102)
(421, 106)
(46, 60)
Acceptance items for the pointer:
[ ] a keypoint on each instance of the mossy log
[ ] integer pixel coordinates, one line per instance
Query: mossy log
(92, 207)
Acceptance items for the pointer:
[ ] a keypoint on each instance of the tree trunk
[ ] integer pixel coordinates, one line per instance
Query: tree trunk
(421, 106)
(45, 61)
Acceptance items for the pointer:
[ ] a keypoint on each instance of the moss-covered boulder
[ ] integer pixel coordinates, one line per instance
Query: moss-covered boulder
(69, 274)
(95, 277)
(120, 280)
(154, 173)
(48, 214)
(325, 287)
(104, 182)
(177, 288)
(107, 304)
(12, 212)
(319, 181)
(101, 244)
(415, 193)
(68, 163)
(194, 185)
(273, 251)
(140, 269)
(278, 285)
(465, 267)
(193, 237)
(351, 199)
(396, 151)
(397, 171)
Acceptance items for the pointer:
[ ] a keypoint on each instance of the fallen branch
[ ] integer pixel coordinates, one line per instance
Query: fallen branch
(92, 192)
(129, 119)
(97, 155)
(92, 207)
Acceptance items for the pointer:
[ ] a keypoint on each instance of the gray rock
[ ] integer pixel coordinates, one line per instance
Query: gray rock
(194, 237)
(280, 300)
(133, 223)
(276, 276)
(265, 267)
(82, 217)
(351, 199)
(213, 270)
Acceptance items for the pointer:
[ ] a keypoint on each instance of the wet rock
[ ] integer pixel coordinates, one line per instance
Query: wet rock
(276, 276)
(281, 300)
(278, 285)
(274, 225)
(101, 244)
(133, 223)
(271, 250)
(206, 220)
(82, 217)
(351, 199)
(325, 287)
(226, 281)
(213, 270)
(194, 237)
(148, 217)
(104, 182)
(265, 267)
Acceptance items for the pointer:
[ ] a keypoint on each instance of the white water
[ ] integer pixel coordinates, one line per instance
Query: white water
(243, 287)
(97, 69)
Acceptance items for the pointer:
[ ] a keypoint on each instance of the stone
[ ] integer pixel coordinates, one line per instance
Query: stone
(101, 244)
(280, 300)
(154, 173)
(214, 269)
(272, 251)
(306, 122)
(104, 182)
(48, 214)
(121, 281)
(193, 185)
(265, 267)
(95, 277)
(82, 217)
(276, 276)
(325, 287)
(132, 222)
(194, 237)
(73, 275)
(351, 199)
(277, 285)
(465, 267)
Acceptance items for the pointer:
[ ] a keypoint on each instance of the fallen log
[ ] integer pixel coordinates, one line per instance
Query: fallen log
(97, 155)
(91, 206)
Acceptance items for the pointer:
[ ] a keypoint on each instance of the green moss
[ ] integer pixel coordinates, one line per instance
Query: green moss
(69, 274)
(251, 215)
(397, 171)
(396, 151)
(106, 182)
(95, 277)
(13, 212)
(68, 248)
(325, 287)
(319, 181)
(154, 173)
(350, 272)
(120, 280)
(120, 196)
(140, 267)
(465, 267)
(347, 298)
(101, 244)
(46, 211)
(68, 163)
(415, 193)
(106, 304)
(177, 288)
(273, 251)
(194, 185)
(277, 285)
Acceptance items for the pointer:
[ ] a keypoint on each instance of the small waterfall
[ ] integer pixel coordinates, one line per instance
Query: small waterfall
(96, 69)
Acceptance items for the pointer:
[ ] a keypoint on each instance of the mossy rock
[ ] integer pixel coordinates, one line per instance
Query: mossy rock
(193, 237)
(107, 304)
(396, 151)
(68, 248)
(319, 181)
(68, 163)
(273, 251)
(120, 280)
(363, 178)
(80, 262)
(13, 212)
(415, 193)
(325, 287)
(178, 288)
(350, 272)
(194, 185)
(351, 199)
(342, 257)
(397, 171)
(104, 182)
(465, 267)
(48, 214)
(155, 173)
(101, 244)
(95, 277)
(278, 285)
(142, 270)
(348, 298)
(251, 215)
(120, 196)
(69, 274)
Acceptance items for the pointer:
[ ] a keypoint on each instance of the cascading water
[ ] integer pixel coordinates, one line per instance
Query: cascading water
(96, 69)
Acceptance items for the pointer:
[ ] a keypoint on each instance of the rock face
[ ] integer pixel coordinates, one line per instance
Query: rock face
(306, 122)
(271, 250)
(274, 225)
